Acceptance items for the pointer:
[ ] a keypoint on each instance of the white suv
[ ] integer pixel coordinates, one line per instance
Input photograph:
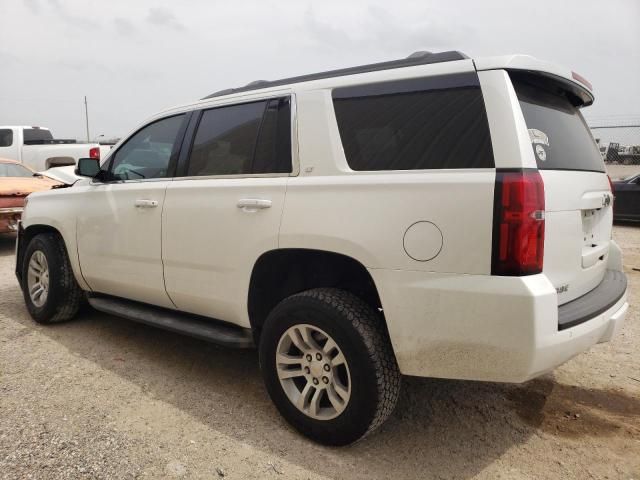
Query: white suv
(435, 216)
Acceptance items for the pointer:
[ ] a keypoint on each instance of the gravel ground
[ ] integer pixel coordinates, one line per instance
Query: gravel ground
(101, 397)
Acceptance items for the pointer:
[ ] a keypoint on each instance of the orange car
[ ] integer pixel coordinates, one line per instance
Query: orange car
(16, 182)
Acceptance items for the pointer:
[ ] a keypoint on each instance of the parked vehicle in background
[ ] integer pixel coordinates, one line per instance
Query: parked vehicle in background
(433, 216)
(66, 174)
(36, 148)
(622, 154)
(626, 206)
(629, 154)
(16, 182)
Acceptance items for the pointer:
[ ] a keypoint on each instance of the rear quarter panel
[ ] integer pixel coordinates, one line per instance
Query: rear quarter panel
(365, 215)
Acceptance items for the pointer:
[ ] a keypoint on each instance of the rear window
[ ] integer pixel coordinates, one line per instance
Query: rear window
(560, 137)
(36, 135)
(426, 123)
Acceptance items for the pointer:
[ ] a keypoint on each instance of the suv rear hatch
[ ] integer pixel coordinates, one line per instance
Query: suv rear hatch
(578, 199)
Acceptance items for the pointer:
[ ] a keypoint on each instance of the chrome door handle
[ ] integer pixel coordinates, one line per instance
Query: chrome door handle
(253, 204)
(143, 203)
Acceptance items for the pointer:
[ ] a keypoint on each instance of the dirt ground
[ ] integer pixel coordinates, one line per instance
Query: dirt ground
(622, 171)
(101, 397)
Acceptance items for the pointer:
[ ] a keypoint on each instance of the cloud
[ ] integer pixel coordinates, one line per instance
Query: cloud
(389, 33)
(33, 5)
(125, 78)
(163, 18)
(7, 58)
(124, 26)
(77, 21)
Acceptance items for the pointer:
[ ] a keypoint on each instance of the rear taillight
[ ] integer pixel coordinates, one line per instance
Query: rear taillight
(94, 153)
(518, 223)
(610, 184)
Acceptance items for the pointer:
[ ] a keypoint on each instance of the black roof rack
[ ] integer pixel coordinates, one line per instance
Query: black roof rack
(416, 58)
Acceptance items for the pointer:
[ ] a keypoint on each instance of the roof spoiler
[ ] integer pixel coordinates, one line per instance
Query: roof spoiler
(578, 95)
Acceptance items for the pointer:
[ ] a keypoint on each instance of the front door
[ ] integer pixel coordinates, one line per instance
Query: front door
(120, 221)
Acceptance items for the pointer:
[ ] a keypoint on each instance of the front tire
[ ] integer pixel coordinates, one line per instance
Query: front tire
(328, 365)
(50, 290)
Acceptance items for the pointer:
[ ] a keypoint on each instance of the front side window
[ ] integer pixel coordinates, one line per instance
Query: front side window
(424, 123)
(243, 139)
(6, 137)
(147, 153)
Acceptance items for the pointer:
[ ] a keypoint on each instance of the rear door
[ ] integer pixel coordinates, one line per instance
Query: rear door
(578, 199)
(224, 211)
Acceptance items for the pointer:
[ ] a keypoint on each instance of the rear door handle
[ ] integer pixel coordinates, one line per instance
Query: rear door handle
(253, 204)
(144, 203)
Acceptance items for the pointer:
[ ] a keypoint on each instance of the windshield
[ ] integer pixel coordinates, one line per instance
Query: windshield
(14, 170)
(560, 138)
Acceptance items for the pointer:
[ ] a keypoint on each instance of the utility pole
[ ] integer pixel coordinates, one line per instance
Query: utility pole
(86, 116)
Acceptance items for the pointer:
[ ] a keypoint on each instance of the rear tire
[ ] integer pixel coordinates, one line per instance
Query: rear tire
(358, 372)
(50, 290)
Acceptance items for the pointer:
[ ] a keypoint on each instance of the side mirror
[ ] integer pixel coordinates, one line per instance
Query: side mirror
(88, 167)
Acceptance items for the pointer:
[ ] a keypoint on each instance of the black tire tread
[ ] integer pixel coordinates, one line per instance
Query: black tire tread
(70, 301)
(369, 325)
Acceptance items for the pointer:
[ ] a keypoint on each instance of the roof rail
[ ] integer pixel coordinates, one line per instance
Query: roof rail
(416, 58)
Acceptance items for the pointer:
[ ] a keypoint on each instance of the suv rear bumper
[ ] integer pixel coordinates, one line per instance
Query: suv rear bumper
(597, 301)
(480, 327)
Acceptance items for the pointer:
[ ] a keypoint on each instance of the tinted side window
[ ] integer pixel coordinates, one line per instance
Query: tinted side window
(243, 139)
(428, 123)
(273, 150)
(148, 152)
(6, 137)
(226, 139)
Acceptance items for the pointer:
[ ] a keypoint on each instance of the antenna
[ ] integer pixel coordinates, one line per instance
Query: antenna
(86, 116)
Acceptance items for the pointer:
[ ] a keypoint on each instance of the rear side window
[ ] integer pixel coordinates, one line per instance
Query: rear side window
(6, 137)
(243, 139)
(559, 135)
(427, 123)
(273, 149)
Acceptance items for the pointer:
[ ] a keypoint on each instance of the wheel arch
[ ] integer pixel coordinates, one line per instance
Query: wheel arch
(27, 233)
(59, 161)
(280, 273)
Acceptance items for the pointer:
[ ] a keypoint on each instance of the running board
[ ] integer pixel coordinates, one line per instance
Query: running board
(192, 325)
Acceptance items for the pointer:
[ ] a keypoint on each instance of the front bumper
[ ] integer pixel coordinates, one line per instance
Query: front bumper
(9, 218)
(481, 327)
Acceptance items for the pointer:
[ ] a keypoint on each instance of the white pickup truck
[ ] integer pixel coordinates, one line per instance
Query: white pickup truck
(36, 148)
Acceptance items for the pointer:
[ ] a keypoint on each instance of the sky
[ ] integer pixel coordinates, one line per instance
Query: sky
(134, 58)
